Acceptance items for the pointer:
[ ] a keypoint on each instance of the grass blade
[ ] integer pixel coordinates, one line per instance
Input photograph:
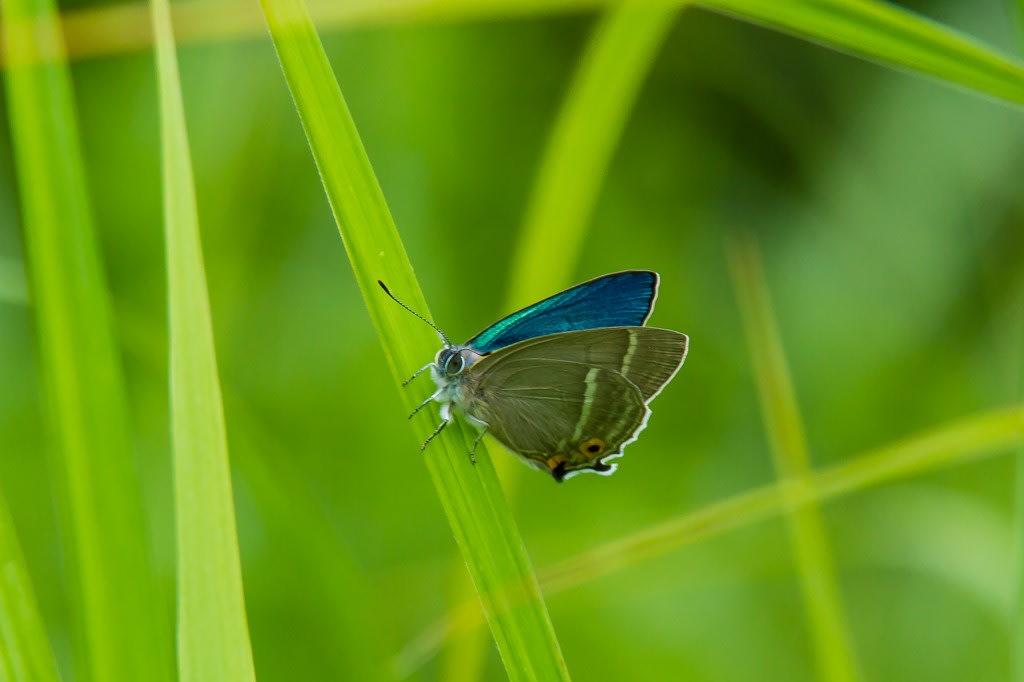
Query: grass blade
(477, 511)
(585, 135)
(956, 443)
(878, 31)
(213, 636)
(891, 36)
(120, 623)
(25, 653)
(836, 658)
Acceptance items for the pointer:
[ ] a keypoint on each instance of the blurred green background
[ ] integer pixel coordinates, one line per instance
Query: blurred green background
(888, 210)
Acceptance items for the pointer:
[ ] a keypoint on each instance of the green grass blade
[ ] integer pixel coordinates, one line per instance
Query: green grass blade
(956, 443)
(120, 627)
(835, 653)
(890, 36)
(213, 635)
(477, 511)
(25, 652)
(585, 135)
(878, 31)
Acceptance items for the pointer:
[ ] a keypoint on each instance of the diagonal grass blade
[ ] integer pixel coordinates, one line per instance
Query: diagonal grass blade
(477, 511)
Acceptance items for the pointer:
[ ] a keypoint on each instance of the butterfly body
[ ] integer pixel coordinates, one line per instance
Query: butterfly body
(565, 383)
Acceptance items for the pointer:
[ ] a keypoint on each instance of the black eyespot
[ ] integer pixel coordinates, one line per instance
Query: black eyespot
(594, 448)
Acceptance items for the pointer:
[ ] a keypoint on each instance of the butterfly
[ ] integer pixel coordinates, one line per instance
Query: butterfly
(565, 383)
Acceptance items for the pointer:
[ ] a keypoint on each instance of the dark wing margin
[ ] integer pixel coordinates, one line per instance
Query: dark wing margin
(621, 299)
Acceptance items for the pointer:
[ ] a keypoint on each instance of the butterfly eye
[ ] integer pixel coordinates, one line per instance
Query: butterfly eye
(454, 364)
(592, 446)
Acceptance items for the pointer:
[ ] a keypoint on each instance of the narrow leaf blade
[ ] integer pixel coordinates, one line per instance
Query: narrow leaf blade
(120, 630)
(471, 496)
(213, 635)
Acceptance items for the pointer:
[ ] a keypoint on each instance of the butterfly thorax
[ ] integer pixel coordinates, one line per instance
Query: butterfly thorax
(448, 371)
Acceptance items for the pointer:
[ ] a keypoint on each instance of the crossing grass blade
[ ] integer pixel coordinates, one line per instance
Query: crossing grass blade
(879, 31)
(834, 649)
(956, 443)
(891, 36)
(213, 636)
(25, 652)
(472, 499)
(120, 629)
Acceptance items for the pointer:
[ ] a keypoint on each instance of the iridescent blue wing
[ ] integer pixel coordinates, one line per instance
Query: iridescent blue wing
(621, 299)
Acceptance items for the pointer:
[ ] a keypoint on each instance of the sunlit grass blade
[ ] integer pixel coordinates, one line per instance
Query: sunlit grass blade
(956, 443)
(889, 35)
(583, 140)
(477, 512)
(213, 636)
(121, 627)
(878, 31)
(25, 652)
(822, 599)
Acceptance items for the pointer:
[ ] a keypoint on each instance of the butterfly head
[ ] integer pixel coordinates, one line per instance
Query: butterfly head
(454, 360)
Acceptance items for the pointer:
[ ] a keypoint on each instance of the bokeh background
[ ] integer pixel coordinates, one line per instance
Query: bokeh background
(888, 211)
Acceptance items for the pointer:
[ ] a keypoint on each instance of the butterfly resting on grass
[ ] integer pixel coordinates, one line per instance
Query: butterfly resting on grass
(563, 383)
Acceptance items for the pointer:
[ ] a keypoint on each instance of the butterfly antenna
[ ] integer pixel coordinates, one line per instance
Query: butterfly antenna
(447, 341)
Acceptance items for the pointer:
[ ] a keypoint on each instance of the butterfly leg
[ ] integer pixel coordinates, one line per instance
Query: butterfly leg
(420, 371)
(440, 427)
(472, 452)
(425, 403)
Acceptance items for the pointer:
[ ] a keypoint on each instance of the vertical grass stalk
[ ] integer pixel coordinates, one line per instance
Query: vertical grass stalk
(120, 625)
(833, 648)
(213, 635)
(470, 495)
